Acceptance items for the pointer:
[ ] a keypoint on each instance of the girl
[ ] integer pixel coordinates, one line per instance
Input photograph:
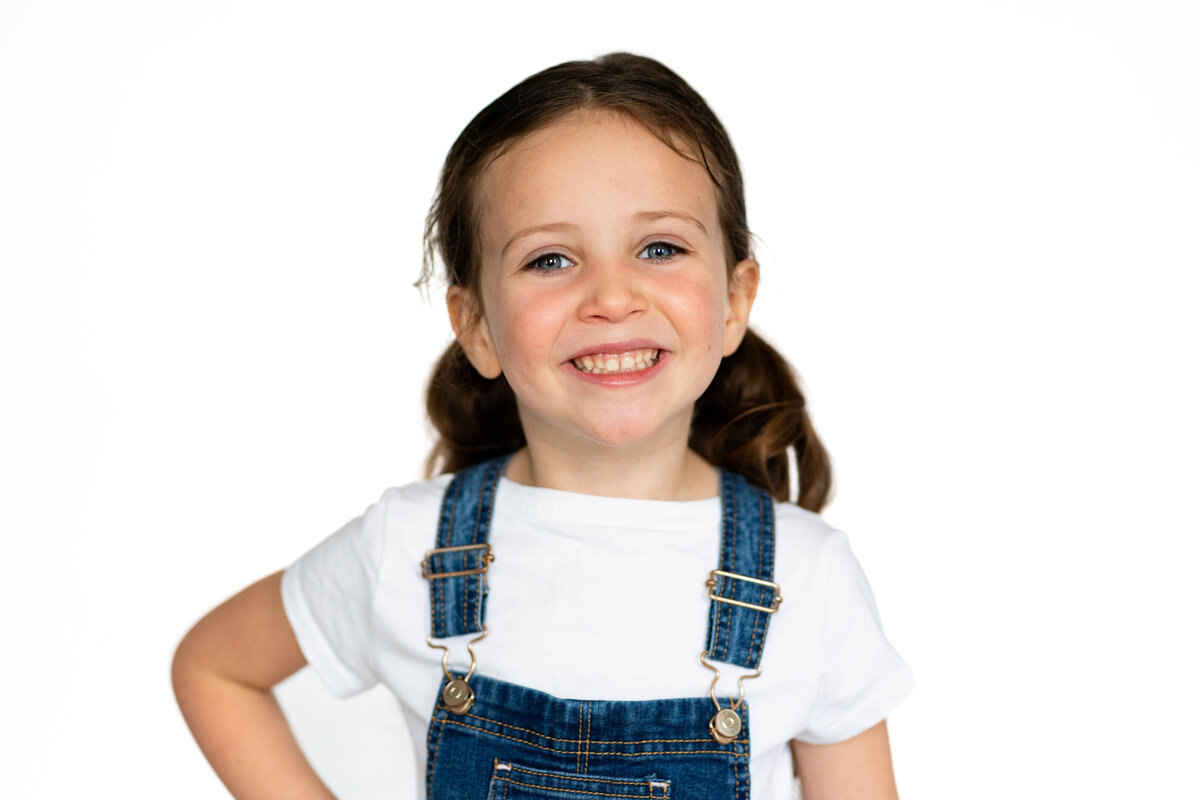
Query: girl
(614, 444)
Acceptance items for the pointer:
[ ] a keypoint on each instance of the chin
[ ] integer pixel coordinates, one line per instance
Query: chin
(617, 435)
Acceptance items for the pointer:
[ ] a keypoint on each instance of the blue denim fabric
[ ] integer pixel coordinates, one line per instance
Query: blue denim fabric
(516, 743)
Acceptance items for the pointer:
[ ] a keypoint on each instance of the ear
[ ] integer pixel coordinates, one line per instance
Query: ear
(471, 331)
(743, 287)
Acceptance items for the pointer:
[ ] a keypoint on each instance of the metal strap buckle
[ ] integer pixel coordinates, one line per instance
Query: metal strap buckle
(711, 583)
(487, 558)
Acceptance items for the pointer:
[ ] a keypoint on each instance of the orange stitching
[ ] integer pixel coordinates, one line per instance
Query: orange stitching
(589, 736)
(732, 568)
(441, 585)
(630, 755)
(574, 741)
(487, 490)
(563, 776)
(758, 615)
(573, 791)
(579, 749)
(744, 778)
(433, 761)
(737, 782)
(466, 580)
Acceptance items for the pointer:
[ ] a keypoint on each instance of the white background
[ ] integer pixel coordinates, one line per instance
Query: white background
(979, 229)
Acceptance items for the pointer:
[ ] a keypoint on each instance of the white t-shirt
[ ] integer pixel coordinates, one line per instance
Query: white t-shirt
(601, 598)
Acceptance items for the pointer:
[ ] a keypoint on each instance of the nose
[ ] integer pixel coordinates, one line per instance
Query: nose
(614, 291)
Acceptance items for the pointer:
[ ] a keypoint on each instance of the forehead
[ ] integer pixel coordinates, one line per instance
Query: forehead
(589, 167)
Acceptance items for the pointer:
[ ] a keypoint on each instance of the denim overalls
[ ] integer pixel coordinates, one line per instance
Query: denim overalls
(496, 740)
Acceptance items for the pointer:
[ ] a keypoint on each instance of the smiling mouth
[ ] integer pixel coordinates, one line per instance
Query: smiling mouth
(609, 363)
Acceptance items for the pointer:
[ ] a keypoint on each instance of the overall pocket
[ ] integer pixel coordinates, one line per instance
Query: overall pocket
(513, 782)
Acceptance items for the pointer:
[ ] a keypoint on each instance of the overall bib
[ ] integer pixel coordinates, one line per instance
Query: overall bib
(494, 740)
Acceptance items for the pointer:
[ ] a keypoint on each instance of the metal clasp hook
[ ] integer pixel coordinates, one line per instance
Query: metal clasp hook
(458, 694)
(726, 724)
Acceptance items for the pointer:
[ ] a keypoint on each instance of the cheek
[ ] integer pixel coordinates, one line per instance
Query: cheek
(525, 330)
(700, 306)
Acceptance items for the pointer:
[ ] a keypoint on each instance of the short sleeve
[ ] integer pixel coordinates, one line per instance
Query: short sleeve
(328, 596)
(862, 676)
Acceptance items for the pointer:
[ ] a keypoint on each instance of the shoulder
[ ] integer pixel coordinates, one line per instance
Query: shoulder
(403, 507)
(809, 553)
(384, 527)
(414, 496)
(799, 531)
(402, 511)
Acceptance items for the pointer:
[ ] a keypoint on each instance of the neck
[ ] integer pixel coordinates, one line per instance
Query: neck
(635, 472)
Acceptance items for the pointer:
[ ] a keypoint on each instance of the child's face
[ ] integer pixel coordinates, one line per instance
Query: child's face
(606, 301)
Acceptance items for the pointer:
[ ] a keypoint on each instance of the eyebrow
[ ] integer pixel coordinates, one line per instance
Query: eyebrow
(651, 216)
(641, 216)
(549, 227)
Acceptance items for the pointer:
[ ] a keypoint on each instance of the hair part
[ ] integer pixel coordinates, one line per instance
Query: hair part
(752, 413)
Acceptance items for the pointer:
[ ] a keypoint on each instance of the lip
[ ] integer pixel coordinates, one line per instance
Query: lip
(619, 379)
(617, 347)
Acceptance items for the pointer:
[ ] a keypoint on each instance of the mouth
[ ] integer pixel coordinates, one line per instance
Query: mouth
(612, 363)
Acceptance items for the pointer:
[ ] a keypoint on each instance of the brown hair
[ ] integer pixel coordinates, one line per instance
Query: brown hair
(751, 413)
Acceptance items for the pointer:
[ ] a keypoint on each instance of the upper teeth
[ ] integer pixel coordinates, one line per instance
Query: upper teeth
(629, 361)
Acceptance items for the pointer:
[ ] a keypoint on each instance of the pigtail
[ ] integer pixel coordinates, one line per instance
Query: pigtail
(475, 417)
(750, 415)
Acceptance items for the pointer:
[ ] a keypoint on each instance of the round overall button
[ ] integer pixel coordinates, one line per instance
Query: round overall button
(725, 726)
(458, 696)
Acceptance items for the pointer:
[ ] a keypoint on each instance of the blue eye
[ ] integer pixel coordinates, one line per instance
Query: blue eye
(661, 251)
(550, 262)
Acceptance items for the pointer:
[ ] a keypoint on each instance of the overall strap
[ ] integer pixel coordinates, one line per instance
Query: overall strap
(457, 567)
(742, 595)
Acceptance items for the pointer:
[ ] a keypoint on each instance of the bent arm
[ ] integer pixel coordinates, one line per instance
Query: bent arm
(859, 768)
(223, 673)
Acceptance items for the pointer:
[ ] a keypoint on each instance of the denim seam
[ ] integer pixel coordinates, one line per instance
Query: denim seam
(734, 754)
(733, 567)
(728, 500)
(766, 564)
(741, 777)
(754, 649)
(482, 507)
(737, 781)
(589, 737)
(579, 741)
(466, 594)
(573, 791)
(745, 774)
(574, 741)
(447, 534)
(433, 759)
(593, 778)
